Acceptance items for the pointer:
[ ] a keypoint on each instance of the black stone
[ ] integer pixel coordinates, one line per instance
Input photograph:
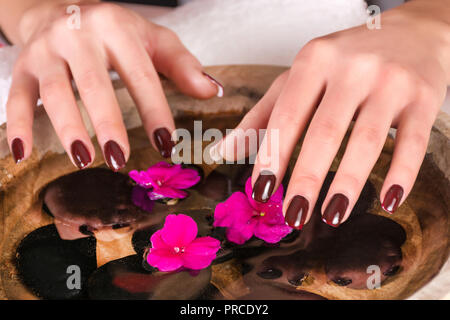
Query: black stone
(42, 260)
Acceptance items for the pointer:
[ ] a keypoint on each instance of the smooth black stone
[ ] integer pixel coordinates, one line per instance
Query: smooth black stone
(126, 279)
(342, 282)
(392, 271)
(42, 260)
(270, 273)
(215, 186)
(95, 197)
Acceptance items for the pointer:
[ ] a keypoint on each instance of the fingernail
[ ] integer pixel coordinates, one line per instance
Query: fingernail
(392, 198)
(80, 154)
(217, 83)
(296, 212)
(263, 188)
(17, 150)
(335, 210)
(114, 156)
(163, 141)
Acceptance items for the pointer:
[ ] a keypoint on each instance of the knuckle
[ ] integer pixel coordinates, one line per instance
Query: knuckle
(318, 48)
(106, 125)
(50, 88)
(426, 94)
(371, 136)
(66, 129)
(406, 170)
(418, 141)
(89, 82)
(141, 75)
(349, 181)
(286, 117)
(398, 75)
(107, 13)
(326, 131)
(307, 180)
(165, 33)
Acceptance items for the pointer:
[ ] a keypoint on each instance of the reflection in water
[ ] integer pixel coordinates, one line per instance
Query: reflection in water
(88, 203)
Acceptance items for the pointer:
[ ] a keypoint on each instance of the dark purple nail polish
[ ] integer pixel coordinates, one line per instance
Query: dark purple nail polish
(217, 83)
(163, 141)
(114, 156)
(80, 154)
(392, 198)
(263, 188)
(17, 150)
(296, 212)
(335, 210)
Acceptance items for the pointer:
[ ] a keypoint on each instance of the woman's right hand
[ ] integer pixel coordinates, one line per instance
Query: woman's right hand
(109, 37)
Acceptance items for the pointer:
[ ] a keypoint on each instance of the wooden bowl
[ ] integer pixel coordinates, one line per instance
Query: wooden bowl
(424, 216)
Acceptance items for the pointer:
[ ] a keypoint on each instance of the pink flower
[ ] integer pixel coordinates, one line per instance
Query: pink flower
(140, 198)
(244, 217)
(176, 246)
(166, 180)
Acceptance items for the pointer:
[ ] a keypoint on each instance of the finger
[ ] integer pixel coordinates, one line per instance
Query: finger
(20, 107)
(59, 101)
(363, 149)
(289, 117)
(411, 143)
(135, 68)
(96, 91)
(321, 143)
(172, 59)
(242, 141)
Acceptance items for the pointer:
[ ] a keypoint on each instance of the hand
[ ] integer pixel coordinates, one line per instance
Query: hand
(393, 77)
(110, 37)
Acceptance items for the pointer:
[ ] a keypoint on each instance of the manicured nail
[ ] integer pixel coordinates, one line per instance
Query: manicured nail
(80, 154)
(217, 83)
(263, 188)
(163, 141)
(296, 212)
(392, 198)
(335, 210)
(114, 156)
(17, 150)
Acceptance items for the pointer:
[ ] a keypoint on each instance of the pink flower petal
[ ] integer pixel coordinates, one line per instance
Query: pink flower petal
(271, 233)
(140, 198)
(140, 177)
(186, 178)
(200, 253)
(179, 230)
(157, 241)
(203, 246)
(236, 209)
(167, 192)
(162, 164)
(165, 260)
(242, 232)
